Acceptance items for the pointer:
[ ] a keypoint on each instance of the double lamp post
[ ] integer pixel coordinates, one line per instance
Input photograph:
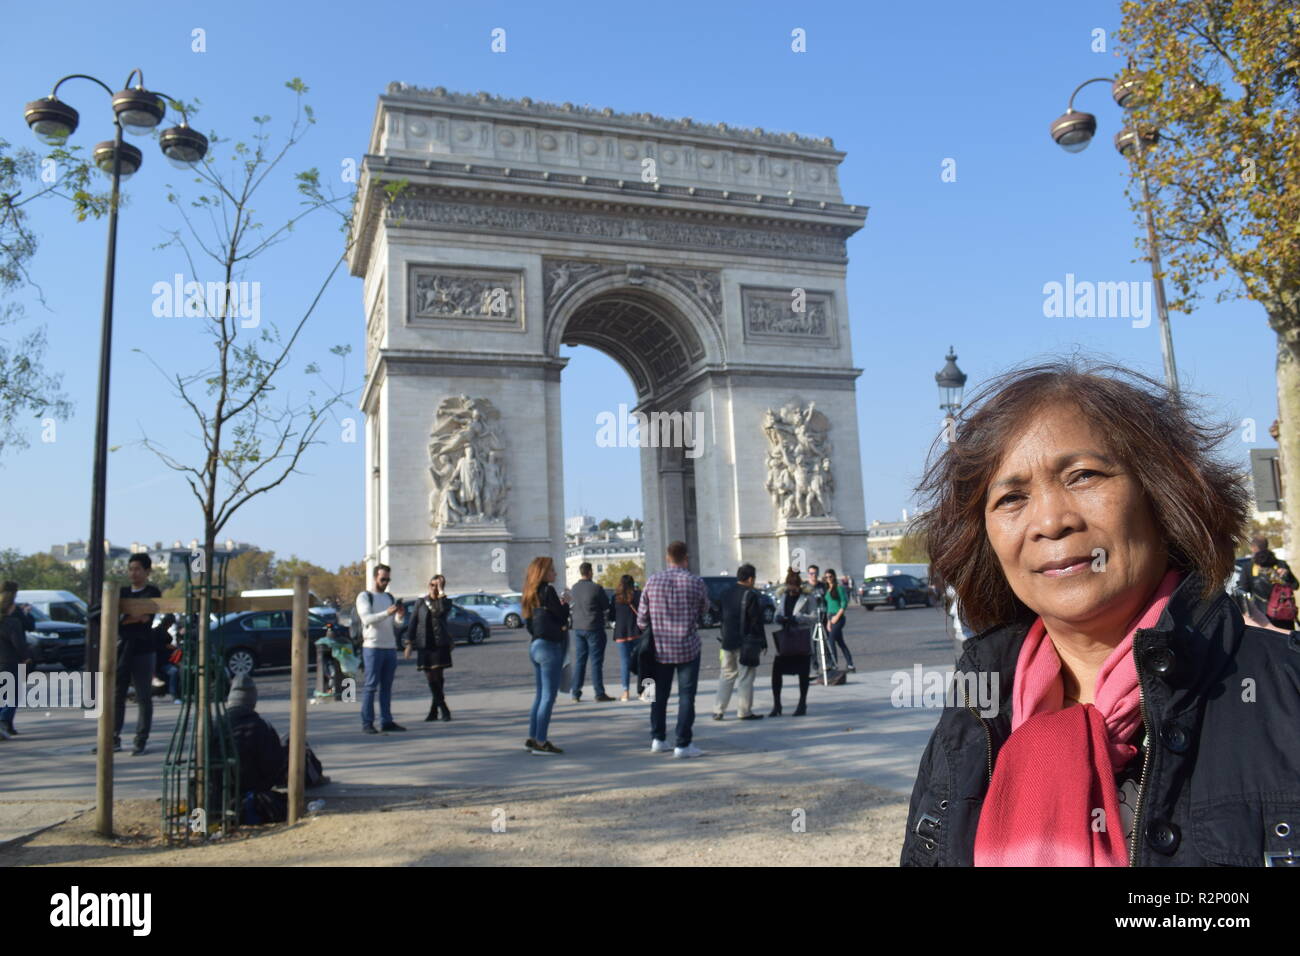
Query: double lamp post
(138, 111)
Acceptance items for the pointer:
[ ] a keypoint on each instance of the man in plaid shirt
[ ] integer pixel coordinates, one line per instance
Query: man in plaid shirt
(671, 603)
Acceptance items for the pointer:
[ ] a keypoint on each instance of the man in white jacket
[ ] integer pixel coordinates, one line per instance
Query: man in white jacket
(376, 610)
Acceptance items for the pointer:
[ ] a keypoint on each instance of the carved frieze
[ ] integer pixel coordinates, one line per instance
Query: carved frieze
(788, 316)
(464, 297)
(615, 228)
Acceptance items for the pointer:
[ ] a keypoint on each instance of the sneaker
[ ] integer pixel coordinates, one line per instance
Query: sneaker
(117, 747)
(752, 717)
(574, 700)
(530, 745)
(139, 749)
(368, 729)
(391, 726)
(603, 698)
(546, 747)
(659, 746)
(690, 750)
(853, 669)
(718, 716)
(626, 697)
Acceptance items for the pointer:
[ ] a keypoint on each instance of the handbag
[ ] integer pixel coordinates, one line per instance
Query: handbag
(539, 625)
(793, 641)
(643, 653)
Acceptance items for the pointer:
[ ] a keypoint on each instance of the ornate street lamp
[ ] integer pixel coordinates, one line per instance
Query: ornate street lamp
(1073, 131)
(137, 111)
(952, 383)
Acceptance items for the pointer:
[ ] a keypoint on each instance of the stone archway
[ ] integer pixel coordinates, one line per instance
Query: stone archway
(718, 284)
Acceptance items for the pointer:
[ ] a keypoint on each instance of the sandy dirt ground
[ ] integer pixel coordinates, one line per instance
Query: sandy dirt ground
(837, 823)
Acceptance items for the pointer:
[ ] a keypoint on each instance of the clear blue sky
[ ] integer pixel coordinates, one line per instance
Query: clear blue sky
(900, 88)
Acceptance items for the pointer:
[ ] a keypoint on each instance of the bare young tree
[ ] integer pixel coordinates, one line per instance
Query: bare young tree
(254, 425)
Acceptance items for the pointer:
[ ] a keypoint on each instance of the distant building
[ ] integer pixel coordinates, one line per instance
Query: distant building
(173, 560)
(603, 549)
(882, 536)
(578, 524)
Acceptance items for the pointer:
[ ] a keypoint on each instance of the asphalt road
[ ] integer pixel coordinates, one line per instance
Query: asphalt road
(884, 639)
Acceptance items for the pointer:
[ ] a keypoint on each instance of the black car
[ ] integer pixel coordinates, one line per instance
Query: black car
(253, 639)
(718, 586)
(464, 624)
(896, 590)
(57, 642)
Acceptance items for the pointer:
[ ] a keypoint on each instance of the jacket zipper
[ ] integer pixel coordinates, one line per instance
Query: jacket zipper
(1142, 781)
(988, 736)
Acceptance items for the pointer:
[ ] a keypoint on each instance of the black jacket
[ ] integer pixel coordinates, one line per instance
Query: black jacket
(734, 631)
(1222, 772)
(552, 616)
(263, 757)
(428, 631)
(13, 640)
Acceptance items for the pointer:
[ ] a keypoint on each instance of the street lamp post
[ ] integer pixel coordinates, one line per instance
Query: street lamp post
(952, 384)
(1073, 131)
(138, 111)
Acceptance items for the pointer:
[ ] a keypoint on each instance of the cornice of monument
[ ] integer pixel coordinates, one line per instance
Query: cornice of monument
(525, 106)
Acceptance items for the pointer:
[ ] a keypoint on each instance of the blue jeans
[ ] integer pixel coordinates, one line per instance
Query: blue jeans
(688, 677)
(548, 662)
(7, 715)
(625, 654)
(589, 643)
(381, 667)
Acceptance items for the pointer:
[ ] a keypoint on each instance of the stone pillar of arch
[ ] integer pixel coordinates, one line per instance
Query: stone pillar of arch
(708, 261)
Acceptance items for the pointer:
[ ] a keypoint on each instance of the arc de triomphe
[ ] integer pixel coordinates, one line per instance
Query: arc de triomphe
(709, 261)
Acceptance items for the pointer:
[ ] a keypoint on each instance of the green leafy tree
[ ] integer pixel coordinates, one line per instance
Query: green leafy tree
(27, 391)
(40, 571)
(250, 570)
(909, 550)
(1220, 82)
(609, 577)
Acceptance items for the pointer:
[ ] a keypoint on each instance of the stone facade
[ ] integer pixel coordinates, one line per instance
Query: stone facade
(708, 261)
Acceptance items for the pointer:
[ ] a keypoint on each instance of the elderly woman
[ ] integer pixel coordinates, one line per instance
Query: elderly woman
(1086, 524)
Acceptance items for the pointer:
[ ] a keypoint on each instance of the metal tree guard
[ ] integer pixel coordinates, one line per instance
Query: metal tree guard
(201, 758)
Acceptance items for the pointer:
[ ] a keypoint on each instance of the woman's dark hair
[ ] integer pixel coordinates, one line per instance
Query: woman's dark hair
(625, 591)
(793, 583)
(1198, 501)
(835, 583)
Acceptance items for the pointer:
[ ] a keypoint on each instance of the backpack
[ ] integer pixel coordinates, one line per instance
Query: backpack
(1270, 586)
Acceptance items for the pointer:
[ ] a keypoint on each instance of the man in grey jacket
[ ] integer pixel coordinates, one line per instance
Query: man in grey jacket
(590, 609)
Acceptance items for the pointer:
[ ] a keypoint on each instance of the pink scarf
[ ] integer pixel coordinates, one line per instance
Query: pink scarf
(1053, 800)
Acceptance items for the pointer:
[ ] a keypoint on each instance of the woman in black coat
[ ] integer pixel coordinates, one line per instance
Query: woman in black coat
(429, 634)
(622, 614)
(1113, 708)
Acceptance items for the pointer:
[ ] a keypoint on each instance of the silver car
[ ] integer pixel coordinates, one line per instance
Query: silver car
(491, 607)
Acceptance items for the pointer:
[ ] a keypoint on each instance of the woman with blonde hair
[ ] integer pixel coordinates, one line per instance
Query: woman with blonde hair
(545, 615)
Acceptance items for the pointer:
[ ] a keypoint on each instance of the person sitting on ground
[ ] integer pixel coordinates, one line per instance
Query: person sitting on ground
(263, 757)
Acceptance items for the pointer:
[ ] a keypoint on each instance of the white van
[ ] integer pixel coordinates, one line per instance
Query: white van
(885, 570)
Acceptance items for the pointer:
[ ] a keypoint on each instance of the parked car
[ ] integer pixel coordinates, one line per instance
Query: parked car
(464, 624)
(896, 590)
(718, 586)
(492, 608)
(56, 640)
(253, 639)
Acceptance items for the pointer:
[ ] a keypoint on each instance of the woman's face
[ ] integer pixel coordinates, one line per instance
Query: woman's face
(1072, 528)
(550, 574)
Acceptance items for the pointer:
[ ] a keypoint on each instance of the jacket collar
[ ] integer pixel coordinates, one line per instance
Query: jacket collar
(1193, 635)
